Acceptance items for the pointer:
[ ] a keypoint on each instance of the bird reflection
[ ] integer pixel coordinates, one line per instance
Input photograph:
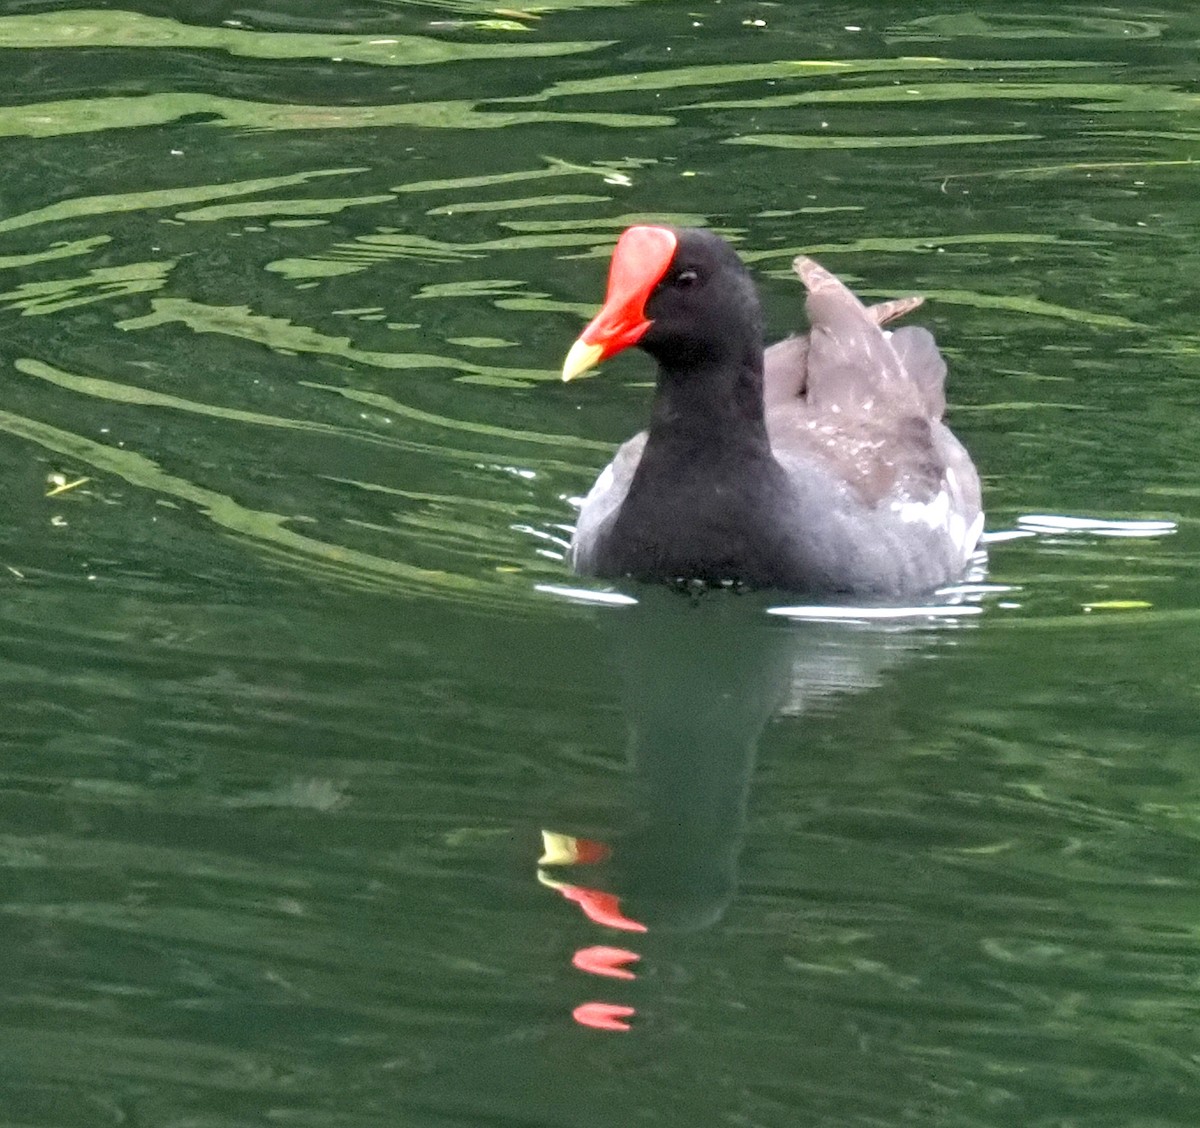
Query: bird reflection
(700, 677)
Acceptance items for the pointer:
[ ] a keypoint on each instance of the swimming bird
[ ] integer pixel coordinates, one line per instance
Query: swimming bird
(819, 466)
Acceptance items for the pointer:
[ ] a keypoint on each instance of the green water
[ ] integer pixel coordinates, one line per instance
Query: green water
(293, 700)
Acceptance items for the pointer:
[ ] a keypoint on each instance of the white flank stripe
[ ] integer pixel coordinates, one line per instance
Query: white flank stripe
(935, 513)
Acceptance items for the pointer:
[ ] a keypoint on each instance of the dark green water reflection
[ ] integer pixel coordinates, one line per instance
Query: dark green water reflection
(293, 702)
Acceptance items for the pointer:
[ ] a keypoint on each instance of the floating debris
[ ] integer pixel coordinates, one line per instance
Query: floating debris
(1118, 605)
(60, 485)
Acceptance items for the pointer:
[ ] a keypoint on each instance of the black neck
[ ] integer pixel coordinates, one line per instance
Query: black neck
(713, 403)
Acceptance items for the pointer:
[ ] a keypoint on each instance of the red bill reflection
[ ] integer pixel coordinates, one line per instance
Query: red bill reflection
(601, 908)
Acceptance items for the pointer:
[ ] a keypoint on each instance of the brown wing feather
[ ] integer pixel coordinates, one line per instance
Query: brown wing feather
(785, 363)
(865, 403)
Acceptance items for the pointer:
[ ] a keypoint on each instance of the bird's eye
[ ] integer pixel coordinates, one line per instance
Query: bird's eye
(686, 278)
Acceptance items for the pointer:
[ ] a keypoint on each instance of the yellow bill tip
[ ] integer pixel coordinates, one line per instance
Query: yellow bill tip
(581, 357)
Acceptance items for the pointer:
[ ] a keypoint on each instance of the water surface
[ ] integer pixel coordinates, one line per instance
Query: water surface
(325, 805)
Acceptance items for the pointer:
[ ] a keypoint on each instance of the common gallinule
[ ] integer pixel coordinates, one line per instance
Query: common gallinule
(822, 466)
